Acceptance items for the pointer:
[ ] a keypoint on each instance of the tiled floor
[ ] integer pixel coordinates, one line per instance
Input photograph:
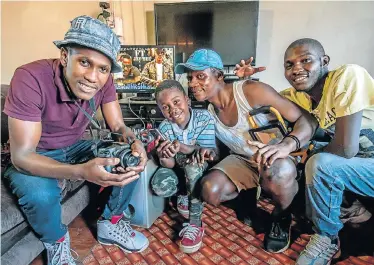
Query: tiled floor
(227, 241)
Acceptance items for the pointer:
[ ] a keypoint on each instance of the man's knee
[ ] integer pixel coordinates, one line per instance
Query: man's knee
(281, 171)
(41, 199)
(316, 163)
(211, 189)
(280, 177)
(33, 191)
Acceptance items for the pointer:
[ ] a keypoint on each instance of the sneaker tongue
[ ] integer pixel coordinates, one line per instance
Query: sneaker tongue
(133, 234)
(116, 218)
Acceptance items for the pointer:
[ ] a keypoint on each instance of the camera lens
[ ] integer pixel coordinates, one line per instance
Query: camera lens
(132, 161)
(128, 160)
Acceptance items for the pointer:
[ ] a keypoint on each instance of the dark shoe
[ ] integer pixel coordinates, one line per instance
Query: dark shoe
(277, 239)
(247, 206)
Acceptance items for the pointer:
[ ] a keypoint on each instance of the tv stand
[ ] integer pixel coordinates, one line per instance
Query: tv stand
(143, 97)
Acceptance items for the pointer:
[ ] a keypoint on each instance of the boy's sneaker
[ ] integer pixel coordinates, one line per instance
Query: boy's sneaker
(182, 206)
(59, 253)
(119, 232)
(192, 238)
(278, 238)
(321, 250)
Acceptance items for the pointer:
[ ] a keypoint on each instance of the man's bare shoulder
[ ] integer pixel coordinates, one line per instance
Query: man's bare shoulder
(251, 87)
(259, 93)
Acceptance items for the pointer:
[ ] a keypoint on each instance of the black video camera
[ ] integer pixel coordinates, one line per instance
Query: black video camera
(121, 151)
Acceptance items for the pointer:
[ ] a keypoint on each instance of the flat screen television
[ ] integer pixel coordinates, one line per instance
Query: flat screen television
(230, 28)
(143, 68)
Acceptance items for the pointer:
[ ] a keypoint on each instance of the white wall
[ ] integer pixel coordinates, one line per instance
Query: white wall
(29, 27)
(345, 29)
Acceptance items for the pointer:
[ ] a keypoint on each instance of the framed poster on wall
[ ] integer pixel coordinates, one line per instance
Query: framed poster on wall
(144, 67)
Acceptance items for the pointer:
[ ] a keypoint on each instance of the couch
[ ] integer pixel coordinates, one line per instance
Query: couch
(19, 244)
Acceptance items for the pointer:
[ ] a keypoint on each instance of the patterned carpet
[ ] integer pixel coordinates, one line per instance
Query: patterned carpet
(227, 241)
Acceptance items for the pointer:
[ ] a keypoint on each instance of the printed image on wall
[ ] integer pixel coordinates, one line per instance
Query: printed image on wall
(143, 67)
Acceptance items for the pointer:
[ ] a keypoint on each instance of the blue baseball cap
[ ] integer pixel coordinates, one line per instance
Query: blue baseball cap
(200, 60)
(92, 33)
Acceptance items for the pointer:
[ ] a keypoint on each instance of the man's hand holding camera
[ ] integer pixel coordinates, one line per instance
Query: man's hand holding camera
(138, 150)
(117, 164)
(94, 171)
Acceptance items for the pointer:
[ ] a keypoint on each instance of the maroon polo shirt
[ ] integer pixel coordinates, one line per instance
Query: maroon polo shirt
(37, 93)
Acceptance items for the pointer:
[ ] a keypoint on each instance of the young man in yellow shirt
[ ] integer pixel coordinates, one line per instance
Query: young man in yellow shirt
(342, 101)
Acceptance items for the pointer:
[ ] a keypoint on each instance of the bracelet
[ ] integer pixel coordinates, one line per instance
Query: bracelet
(293, 137)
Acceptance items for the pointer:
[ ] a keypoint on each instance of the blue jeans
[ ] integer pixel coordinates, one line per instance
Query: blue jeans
(40, 197)
(327, 176)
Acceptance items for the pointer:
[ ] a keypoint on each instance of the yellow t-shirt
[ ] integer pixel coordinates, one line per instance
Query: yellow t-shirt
(347, 90)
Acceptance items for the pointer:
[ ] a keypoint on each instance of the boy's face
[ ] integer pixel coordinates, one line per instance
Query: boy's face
(202, 83)
(174, 106)
(303, 67)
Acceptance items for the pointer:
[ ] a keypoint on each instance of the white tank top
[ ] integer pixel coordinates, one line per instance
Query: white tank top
(236, 137)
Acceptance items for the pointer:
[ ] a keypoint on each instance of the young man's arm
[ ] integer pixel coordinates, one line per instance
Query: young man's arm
(353, 92)
(25, 159)
(260, 94)
(347, 135)
(113, 116)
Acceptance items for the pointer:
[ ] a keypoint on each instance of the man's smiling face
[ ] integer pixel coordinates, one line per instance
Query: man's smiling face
(85, 70)
(303, 67)
(202, 83)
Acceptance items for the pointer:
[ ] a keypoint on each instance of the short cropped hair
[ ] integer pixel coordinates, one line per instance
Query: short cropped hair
(159, 51)
(218, 73)
(126, 56)
(169, 84)
(317, 46)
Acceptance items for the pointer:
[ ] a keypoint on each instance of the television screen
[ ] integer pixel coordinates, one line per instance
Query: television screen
(230, 28)
(143, 67)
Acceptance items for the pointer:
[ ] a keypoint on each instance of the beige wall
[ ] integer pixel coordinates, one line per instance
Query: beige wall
(344, 28)
(138, 20)
(28, 29)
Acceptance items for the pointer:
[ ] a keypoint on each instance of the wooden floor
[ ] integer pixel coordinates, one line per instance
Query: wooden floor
(358, 247)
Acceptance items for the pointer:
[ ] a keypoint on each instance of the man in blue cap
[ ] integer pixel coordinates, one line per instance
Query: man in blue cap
(242, 171)
(49, 107)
